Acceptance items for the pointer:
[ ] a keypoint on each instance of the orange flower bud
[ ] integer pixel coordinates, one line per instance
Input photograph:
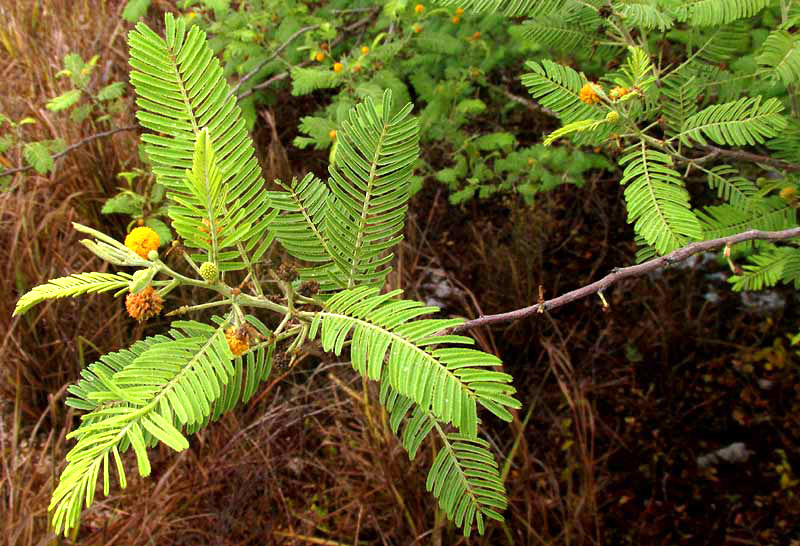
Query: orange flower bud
(144, 305)
(588, 93)
(237, 340)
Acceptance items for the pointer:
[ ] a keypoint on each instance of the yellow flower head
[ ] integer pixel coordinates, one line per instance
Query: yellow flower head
(788, 193)
(460, 11)
(332, 134)
(320, 56)
(142, 240)
(337, 67)
(364, 50)
(237, 340)
(589, 94)
(419, 8)
(144, 305)
(618, 93)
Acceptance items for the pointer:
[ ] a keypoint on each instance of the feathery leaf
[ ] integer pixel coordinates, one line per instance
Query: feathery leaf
(71, 286)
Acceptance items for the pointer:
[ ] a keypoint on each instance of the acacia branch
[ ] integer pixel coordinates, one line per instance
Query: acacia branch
(274, 54)
(742, 155)
(619, 274)
(73, 147)
(284, 75)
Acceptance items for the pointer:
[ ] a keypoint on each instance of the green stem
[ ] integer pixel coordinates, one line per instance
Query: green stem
(188, 308)
(222, 288)
(246, 300)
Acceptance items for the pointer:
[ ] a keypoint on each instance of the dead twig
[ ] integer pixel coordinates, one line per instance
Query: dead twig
(269, 59)
(619, 274)
(741, 155)
(284, 75)
(73, 147)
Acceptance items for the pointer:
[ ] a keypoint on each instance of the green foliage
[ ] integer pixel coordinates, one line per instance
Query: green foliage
(737, 123)
(143, 200)
(64, 101)
(650, 84)
(717, 12)
(166, 384)
(781, 52)
(527, 171)
(557, 88)
(135, 10)
(181, 92)
(450, 382)
(732, 187)
(766, 268)
(714, 86)
(657, 201)
(71, 286)
(361, 212)
(38, 155)
(464, 476)
(84, 99)
(446, 65)
(511, 8)
(166, 387)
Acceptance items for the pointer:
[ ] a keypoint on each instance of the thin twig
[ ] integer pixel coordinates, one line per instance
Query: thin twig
(524, 101)
(283, 75)
(72, 147)
(275, 53)
(627, 272)
(741, 155)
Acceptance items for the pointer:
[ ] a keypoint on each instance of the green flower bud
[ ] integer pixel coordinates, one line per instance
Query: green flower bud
(152, 255)
(141, 279)
(612, 116)
(209, 271)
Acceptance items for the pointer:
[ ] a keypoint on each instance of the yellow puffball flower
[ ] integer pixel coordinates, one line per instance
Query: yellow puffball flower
(332, 134)
(320, 56)
(460, 11)
(417, 28)
(456, 20)
(419, 8)
(338, 67)
(142, 240)
(364, 50)
(788, 193)
(589, 94)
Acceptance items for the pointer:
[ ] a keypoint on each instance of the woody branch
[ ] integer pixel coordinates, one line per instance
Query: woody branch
(619, 274)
